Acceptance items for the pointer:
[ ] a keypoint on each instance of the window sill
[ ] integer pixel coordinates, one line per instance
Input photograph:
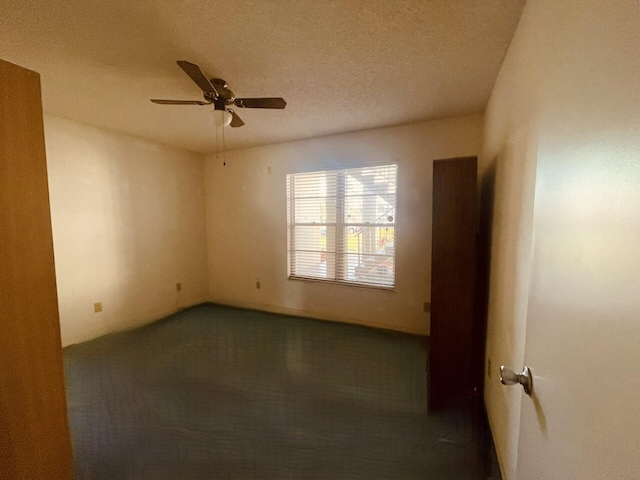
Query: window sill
(381, 288)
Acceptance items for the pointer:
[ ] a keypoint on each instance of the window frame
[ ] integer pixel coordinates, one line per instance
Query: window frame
(340, 226)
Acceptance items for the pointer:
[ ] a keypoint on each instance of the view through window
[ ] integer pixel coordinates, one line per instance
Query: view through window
(341, 225)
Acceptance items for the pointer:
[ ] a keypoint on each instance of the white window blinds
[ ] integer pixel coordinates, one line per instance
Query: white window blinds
(341, 225)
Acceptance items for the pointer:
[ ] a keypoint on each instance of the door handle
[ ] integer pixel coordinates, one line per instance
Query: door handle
(509, 377)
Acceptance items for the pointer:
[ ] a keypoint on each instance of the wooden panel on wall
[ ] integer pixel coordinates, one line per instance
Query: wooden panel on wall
(34, 433)
(453, 265)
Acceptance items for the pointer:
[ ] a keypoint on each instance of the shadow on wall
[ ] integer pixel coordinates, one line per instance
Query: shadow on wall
(483, 268)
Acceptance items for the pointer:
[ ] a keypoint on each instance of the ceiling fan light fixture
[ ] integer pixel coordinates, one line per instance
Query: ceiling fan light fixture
(222, 118)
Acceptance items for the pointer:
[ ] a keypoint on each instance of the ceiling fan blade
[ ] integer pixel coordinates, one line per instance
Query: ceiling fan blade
(197, 76)
(273, 102)
(236, 121)
(178, 102)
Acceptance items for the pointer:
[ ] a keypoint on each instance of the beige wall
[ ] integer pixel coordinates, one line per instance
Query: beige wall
(508, 169)
(128, 224)
(246, 220)
(561, 133)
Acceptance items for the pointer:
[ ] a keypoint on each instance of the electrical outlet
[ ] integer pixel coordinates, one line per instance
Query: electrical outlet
(258, 283)
(269, 170)
(427, 307)
(97, 307)
(178, 287)
(489, 368)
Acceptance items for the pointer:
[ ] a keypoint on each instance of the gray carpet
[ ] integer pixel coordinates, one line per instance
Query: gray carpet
(222, 393)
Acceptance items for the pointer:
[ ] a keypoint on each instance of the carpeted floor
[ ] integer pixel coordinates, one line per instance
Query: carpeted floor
(222, 393)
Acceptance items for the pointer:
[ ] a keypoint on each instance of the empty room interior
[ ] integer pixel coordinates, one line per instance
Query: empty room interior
(319, 239)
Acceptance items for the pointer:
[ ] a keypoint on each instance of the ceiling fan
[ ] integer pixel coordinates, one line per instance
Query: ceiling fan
(217, 93)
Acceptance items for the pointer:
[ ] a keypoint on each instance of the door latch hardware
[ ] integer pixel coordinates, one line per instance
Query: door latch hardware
(510, 377)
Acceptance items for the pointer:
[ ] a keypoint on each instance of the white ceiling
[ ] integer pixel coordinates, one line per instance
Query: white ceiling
(341, 65)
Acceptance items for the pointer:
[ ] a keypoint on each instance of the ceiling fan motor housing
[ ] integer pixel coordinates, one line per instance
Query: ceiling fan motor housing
(223, 90)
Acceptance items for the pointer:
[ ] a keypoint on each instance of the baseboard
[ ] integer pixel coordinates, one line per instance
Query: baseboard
(303, 313)
(495, 446)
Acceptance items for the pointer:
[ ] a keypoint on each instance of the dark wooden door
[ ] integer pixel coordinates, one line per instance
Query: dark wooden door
(453, 263)
(34, 434)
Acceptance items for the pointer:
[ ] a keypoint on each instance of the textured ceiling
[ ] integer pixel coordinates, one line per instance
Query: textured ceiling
(341, 65)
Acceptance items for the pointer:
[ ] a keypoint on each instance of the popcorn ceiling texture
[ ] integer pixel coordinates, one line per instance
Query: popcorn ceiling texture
(341, 65)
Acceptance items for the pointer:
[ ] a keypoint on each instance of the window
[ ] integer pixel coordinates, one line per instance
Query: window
(341, 225)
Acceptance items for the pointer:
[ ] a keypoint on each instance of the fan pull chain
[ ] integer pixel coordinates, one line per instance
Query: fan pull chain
(217, 149)
(224, 152)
